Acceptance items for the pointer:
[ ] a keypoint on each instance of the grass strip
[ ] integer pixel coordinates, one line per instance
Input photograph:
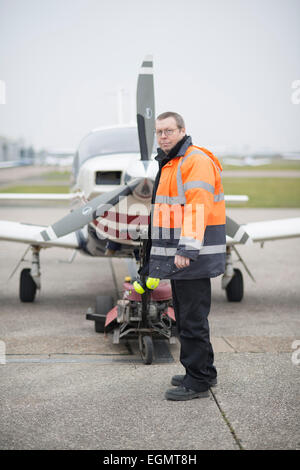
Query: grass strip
(265, 192)
(36, 189)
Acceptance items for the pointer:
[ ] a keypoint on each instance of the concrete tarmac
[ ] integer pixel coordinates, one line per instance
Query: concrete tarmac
(63, 386)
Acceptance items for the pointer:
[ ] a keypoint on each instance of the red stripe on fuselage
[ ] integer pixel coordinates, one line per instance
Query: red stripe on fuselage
(126, 218)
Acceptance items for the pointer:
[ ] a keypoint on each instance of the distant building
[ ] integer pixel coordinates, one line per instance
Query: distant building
(15, 151)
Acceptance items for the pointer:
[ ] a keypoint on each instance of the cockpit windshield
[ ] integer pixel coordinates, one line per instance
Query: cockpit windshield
(105, 142)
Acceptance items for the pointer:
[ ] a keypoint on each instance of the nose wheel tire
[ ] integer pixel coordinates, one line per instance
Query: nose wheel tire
(146, 349)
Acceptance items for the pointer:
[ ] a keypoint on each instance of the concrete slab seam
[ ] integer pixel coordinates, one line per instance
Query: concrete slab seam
(229, 344)
(227, 422)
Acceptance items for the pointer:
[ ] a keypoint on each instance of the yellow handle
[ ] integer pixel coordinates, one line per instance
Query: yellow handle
(152, 282)
(138, 288)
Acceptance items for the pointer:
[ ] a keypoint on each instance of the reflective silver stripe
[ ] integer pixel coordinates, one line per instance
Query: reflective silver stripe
(180, 199)
(165, 233)
(170, 199)
(212, 249)
(180, 188)
(154, 233)
(219, 197)
(205, 250)
(199, 184)
(192, 153)
(159, 250)
(190, 243)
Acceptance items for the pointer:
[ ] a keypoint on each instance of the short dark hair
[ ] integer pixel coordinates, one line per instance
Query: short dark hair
(179, 119)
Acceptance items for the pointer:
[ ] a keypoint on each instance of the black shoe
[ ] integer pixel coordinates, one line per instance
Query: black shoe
(182, 393)
(178, 379)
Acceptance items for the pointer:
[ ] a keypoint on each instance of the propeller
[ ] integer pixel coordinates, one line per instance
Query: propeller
(91, 210)
(145, 108)
(237, 232)
(239, 235)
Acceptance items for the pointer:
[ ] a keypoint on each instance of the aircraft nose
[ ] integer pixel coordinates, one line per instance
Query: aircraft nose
(144, 189)
(141, 169)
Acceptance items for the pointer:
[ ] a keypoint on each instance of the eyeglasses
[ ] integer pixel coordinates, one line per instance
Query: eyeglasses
(166, 132)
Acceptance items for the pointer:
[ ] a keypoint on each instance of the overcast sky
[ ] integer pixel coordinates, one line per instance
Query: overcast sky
(226, 65)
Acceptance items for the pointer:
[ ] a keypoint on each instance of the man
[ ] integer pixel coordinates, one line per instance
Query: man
(188, 246)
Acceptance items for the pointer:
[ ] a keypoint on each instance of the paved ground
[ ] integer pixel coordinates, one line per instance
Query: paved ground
(65, 387)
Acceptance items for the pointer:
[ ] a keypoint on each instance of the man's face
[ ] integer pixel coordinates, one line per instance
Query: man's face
(168, 134)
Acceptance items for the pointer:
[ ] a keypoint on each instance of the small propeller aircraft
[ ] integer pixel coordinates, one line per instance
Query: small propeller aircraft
(113, 174)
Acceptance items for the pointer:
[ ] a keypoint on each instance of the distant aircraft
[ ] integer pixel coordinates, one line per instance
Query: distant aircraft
(15, 163)
(59, 157)
(294, 156)
(249, 160)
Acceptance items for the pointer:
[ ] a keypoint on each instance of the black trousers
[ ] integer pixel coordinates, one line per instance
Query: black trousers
(191, 301)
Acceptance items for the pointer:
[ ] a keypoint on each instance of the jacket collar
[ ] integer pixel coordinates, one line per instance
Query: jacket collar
(177, 151)
(185, 145)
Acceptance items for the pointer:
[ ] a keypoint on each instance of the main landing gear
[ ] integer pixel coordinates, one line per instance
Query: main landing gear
(232, 280)
(30, 278)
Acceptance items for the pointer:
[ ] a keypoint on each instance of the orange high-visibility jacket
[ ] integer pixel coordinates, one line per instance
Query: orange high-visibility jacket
(188, 217)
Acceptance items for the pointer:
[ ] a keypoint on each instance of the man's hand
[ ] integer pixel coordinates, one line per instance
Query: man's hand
(181, 261)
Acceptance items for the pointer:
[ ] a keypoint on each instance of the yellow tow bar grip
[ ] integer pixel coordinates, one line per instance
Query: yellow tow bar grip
(138, 287)
(152, 282)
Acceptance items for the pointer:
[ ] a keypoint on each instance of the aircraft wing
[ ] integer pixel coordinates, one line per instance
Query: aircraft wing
(28, 233)
(273, 229)
(236, 198)
(269, 230)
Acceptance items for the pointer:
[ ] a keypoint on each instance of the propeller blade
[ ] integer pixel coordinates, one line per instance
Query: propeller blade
(145, 108)
(237, 232)
(87, 213)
